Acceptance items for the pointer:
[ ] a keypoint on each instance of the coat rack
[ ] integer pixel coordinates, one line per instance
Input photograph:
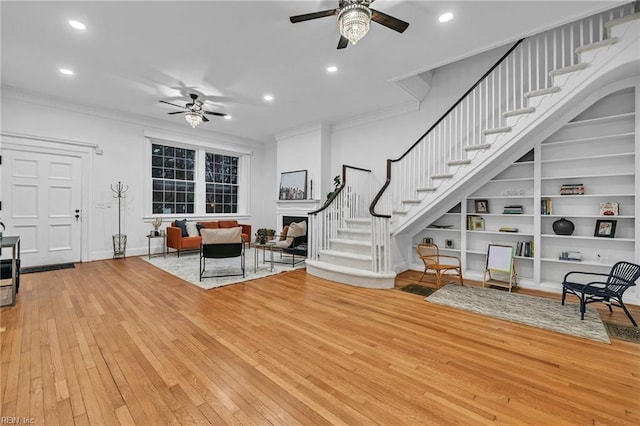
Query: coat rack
(119, 240)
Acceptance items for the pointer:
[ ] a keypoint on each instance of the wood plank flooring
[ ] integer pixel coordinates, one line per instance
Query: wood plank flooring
(121, 342)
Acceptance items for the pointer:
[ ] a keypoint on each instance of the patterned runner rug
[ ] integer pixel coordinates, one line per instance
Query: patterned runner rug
(530, 310)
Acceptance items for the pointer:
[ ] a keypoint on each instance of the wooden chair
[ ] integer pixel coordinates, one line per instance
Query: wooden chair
(608, 288)
(440, 264)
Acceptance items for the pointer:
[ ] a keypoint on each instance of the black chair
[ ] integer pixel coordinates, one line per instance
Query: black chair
(606, 288)
(221, 251)
(5, 271)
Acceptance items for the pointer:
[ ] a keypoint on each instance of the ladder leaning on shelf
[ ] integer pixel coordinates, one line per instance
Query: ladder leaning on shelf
(500, 262)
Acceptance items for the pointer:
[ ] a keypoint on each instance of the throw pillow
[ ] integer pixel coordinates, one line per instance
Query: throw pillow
(297, 229)
(182, 224)
(283, 244)
(199, 226)
(192, 229)
(283, 234)
(221, 235)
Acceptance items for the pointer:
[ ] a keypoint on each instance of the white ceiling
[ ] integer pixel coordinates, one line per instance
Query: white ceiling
(135, 53)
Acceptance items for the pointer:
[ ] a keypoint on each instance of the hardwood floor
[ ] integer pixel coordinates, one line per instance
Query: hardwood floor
(121, 342)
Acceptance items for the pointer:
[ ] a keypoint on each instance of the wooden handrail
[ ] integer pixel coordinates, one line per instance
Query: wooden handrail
(389, 161)
(339, 189)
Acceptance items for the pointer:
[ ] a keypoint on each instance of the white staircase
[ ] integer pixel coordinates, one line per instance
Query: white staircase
(530, 94)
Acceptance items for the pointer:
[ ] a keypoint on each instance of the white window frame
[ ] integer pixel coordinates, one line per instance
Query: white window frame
(244, 177)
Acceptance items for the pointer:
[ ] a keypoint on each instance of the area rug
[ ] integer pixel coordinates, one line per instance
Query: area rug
(45, 268)
(530, 310)
(623, 332)
(418, 289)
(187, 267)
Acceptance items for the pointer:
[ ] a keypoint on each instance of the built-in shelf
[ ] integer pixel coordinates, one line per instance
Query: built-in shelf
(585, 237)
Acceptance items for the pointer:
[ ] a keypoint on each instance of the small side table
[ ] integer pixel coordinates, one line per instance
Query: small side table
(164, 243)
(264, 247)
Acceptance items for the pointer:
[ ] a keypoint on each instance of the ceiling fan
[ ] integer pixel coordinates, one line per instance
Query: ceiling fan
(193, 110)
(354, 17)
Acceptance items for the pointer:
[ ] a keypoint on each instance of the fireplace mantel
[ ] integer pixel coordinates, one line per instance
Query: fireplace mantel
(295, 208)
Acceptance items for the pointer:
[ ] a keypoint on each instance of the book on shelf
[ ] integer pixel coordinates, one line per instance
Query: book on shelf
(571, 255)
(609, 208)
(512, 209)
(545, 206)
(572, 189)
(508, 229)
(524, 249)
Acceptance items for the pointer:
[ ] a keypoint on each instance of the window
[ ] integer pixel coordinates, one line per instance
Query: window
(189, 179)
(173, 176)
(221, 177)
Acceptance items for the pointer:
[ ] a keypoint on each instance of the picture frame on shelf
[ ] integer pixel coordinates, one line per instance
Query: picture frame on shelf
(293, 185)
(476, 223)
(605, 228)
(482, 206)
(448, 244)
(427, 240)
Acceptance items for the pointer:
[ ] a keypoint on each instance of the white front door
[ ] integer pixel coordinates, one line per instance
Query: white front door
(41, 205)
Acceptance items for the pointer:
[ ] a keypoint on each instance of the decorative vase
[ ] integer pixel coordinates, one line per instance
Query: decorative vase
(563, 226)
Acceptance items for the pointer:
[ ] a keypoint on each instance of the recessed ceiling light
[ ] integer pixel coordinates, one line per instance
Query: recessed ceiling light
(77, 25)
(268, 98)
(227, 117)
(446, 17)
(332, 68)
(66, 71)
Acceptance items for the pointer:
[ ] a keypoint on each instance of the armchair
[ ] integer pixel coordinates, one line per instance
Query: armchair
(221, 244)
(441, 264)
(608, 288)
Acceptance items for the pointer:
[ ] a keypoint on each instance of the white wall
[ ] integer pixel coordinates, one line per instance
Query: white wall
(123, 143)
(368, 141)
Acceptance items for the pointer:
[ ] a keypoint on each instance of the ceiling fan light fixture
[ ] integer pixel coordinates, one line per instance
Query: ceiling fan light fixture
(353, 22)
(193, 119)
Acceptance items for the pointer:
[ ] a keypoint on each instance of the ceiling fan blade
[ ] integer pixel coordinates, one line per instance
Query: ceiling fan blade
(169, 103)
(177, 112)
(219, 114)
(389, 21)
(204, 118)
(344, 42)
(314, 15)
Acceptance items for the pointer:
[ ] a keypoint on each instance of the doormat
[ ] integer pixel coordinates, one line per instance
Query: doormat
(45, 268)
(623, 332)
(418, 289)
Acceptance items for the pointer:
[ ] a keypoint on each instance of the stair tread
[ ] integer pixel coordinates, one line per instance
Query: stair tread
(355, 231)
(359, 219)
(596, 45)
(344, 254)
(520, 111)
(476, 147)
(495, 130)
(569, 69)
(352, 242)
(458, 162)
(541, 92)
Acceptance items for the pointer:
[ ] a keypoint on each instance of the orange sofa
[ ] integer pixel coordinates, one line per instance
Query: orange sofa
(176, 241)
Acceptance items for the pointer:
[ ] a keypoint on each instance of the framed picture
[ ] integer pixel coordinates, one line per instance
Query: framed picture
(293, 185)
(476, 223)
(482, 206)
(427, 240)
(605, 228)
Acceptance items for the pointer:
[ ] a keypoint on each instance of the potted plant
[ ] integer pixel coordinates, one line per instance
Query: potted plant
(264, 234)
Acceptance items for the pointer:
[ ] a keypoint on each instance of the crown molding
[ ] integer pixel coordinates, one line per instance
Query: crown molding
(302, 130)
(10, 92)
(375, 116)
